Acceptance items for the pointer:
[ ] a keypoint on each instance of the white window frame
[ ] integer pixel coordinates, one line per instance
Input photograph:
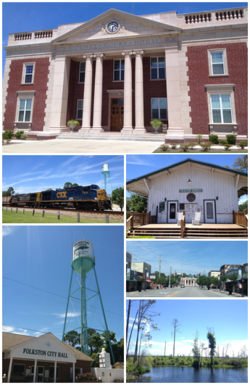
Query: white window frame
(159, 118)
(24, 73)
(79, 80)
(24, 95)
(221, 89)
(78, 109)
(120, 70)
(210, 64)
(157, 57)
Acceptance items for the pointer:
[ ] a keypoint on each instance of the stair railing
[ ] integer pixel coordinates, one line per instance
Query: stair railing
(183, 225)
(240, 218)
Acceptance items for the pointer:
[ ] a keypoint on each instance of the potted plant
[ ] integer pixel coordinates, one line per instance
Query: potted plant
(156, 124)
(72, 124)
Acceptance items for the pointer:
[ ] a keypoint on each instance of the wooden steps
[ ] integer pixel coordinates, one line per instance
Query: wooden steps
(157, 232)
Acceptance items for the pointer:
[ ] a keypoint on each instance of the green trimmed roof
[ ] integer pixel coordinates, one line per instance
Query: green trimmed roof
(186, 161)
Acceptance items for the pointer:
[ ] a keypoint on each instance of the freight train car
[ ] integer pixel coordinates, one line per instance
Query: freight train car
(89, 197)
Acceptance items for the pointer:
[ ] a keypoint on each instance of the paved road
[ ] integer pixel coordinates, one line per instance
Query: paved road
(177, 292)
(63, 146)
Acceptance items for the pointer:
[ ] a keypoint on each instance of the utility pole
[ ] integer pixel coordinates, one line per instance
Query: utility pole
(170, 277)
(165, 350)
(159, 265)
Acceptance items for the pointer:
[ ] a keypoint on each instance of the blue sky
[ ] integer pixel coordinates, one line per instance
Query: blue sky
(138, 165)
(227, 317)
(191, 257)
(23, 17)
(28, 173)
(40, 256)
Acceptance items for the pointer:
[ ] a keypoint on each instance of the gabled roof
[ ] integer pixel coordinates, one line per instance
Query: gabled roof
(118, 13)
(187, 161)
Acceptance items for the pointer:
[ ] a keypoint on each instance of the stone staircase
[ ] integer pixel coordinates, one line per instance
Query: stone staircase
(148, 137)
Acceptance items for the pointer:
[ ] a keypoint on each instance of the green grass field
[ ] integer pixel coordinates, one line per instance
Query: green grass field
(27, 217)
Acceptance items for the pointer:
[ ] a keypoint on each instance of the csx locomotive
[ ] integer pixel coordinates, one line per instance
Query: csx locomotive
(89, 197)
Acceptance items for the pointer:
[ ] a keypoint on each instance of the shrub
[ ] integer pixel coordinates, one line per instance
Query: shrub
(173, 145)
(184, 147)
(223, 142)
(227, 146)
(23, 137)
(156, 124)
(206, 146)
(199, 138)
(191, 145)
(231, 139)
(18, 134)
(214, 139)
(243, 144)
(164, 147)
(73, 121)
(86, 377)
(8, 134)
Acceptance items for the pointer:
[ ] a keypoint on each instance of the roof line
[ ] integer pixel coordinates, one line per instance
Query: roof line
(185, 161)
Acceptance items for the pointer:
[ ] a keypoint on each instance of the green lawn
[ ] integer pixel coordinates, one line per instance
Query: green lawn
(27, 217)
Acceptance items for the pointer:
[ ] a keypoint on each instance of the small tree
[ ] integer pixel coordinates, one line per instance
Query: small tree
(212, 346)
(137, 203)
(118, 197)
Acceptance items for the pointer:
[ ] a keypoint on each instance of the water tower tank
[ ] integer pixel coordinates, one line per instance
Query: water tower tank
(83, 257)
(105, 168)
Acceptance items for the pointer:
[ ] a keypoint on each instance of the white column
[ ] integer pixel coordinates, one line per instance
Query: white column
(55, 371)
(60, 90)
(97, 121)
(127, 114)
(139, 96)
(87, 95)
(173, 92)
(74, 373)
(34, 374)
(10, 368)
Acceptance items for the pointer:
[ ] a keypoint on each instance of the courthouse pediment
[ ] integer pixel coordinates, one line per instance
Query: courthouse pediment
(115, 24)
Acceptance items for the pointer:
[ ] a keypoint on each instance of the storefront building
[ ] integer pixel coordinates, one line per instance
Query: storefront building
(191, 186)
(41, 359)
(118, 71)
(188, 281)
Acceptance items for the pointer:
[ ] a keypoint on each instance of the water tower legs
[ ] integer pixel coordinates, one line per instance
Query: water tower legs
(65, 319)
(84, 326)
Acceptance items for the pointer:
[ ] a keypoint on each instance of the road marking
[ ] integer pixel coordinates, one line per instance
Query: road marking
(172, 294)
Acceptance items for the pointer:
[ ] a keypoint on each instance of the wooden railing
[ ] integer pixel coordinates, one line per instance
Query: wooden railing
(240, 218)
(183, 225)
(137, 219)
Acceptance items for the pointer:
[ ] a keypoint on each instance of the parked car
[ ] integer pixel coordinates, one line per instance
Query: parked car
(182, 286)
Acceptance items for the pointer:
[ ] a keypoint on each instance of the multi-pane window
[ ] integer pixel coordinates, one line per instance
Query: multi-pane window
(157, 67)
(82, 72)
(217, 62)
(28, 76)
(24, 113)
(79, 109)
(159, 108)
(119, 70)
(221, 108)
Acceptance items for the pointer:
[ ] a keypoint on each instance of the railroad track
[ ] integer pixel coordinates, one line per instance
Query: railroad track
(117, 213)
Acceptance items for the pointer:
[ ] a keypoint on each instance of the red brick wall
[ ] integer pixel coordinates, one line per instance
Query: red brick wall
(198, 73)
(152, 88)
(39, 85)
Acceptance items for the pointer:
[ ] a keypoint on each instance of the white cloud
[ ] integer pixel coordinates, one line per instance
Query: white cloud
(7, 329)
(7, 230)
(69, 315)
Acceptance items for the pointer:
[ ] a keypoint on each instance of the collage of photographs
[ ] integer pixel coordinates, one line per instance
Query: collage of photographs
(125, 192)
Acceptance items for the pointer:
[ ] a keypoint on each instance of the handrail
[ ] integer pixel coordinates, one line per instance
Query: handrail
(183, 225)
(240, 218)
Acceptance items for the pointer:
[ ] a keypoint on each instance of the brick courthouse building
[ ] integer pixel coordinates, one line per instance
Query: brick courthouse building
(117, 72)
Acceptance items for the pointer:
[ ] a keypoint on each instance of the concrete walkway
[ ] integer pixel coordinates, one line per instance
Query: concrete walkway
(61, 146)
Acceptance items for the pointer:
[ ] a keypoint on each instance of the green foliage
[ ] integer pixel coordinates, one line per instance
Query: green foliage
(184, 147)
(136, 203)
(173, 145)
(241, 164)
(9, 192)
(211, 345)
(88, 377)
(199, 139)
(72, 338)
(118, 197)
(223, 142)
(227, 146)
(243, 144)
(23, 136)
(231, 139)
(243, 206)
(18, 134)
(214, 139)
(73, 121)
(206, 146)
(8, 134)
(156, 124)
(164, 148)
(192, 145)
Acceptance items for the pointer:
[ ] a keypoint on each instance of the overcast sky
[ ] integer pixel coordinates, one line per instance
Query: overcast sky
(227, 317)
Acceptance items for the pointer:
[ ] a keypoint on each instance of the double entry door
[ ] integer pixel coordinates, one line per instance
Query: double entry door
(116, 117)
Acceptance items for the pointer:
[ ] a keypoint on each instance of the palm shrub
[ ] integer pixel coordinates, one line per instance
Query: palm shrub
(184, 147)
(164, 147)
(206, 146)
(231, 139)
(214, 139)
(173, 145)
(199, 138)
